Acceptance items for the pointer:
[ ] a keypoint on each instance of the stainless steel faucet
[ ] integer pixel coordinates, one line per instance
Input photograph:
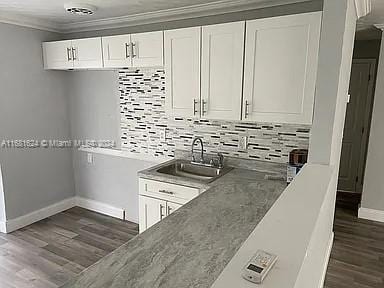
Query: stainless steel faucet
(198, 139)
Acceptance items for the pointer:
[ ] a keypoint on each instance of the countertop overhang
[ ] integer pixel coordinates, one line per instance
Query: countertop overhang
(191, 247)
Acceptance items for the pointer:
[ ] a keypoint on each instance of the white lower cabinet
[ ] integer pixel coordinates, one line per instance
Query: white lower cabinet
(157, 200)
(151, 211)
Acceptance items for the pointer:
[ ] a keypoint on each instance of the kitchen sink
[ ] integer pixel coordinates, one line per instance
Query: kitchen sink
(201, 172)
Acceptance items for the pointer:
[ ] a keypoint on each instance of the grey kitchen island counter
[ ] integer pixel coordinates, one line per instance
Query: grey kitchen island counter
(191, 247)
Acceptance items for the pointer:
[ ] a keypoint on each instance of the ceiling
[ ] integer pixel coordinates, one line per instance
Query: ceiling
(53, 10)
(51, 15)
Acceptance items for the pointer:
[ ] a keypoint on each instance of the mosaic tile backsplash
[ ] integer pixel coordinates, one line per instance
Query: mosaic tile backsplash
(145, 127)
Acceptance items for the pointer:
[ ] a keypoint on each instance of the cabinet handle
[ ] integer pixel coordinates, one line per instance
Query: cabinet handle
(69, 54)
(204, 106)
(74, 54)
(127, 50)
(166, 192)
(194, 106)
(161, 212)
(134, 50)
(169, 210)
(246, 109)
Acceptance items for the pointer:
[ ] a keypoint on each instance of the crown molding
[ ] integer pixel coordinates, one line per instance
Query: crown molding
(363, 7)
(379, 26)
(30, 22)
(192, 11)
(201, 10)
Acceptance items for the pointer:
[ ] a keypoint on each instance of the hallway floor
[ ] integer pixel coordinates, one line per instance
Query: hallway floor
(357, 259)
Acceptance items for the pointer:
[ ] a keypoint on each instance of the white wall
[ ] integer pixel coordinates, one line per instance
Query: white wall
(373, 189)
(95, 114)
(110, 180)
(94, 105)
(33, 104)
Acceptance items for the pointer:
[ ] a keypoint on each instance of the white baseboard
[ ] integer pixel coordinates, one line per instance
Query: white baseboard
(22, 221)
(100, 207)
(3, 227)
(35, 216)
(326, 260)
(371, 214)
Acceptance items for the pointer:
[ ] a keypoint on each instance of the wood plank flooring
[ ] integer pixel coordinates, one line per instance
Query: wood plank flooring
(50, 252)
(357, 258)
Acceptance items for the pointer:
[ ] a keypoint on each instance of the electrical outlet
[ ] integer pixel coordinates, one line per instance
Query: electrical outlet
(163, 134)
(89, 158)
(243, 143)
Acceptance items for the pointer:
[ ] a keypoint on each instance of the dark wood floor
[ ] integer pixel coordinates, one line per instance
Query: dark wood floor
(52, 251)
(357, 259)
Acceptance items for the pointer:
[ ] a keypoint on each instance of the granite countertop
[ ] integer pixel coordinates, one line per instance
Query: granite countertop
(191, 247)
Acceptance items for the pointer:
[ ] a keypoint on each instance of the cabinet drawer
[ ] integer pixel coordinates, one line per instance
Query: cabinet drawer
(166, 191)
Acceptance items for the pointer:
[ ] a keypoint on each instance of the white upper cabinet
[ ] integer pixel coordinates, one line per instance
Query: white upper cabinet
(87, 53)
(79, 54)
(147, 49)
(280, 68)
(136, 50)
(117, 51)
(222, 71)
(182, 71)
(58, 55)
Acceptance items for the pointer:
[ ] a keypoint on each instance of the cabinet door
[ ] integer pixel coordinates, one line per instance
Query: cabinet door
(151, 211)
(58, 55)
(172, 207)
(147, 49)
(222, 71)
(117, 51)
(87, 53)
(182, 71)
(280, 68)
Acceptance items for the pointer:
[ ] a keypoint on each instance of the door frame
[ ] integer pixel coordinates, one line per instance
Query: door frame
(367, 122)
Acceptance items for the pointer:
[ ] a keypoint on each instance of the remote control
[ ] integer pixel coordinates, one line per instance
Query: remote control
(258, 267)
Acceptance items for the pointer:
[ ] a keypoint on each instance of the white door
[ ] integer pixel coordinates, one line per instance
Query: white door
(87, 53)
(58, 55)
(172, 207)
(182, 71)
(151, 211)
(117, 51)
(222, 71)
(147, 49)
(281, 56)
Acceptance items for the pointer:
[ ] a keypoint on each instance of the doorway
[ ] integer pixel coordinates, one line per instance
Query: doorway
(356, 129)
